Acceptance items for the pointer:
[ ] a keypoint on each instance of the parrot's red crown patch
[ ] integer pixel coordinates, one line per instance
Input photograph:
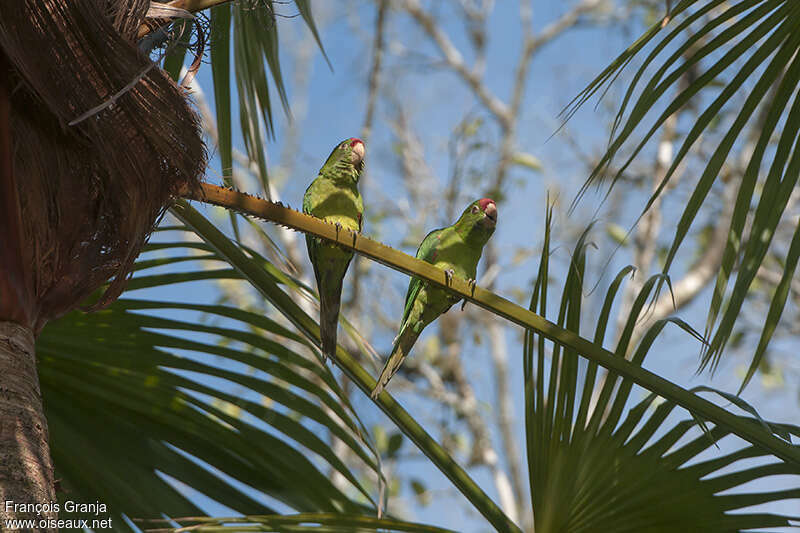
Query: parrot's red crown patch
(483, 202)
(355, 140)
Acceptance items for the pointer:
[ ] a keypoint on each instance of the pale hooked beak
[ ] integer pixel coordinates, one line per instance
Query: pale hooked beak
(491, 212)
(357, 152)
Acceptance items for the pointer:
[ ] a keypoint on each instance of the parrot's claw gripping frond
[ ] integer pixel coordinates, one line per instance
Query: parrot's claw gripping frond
(472, 283)
(448, 276)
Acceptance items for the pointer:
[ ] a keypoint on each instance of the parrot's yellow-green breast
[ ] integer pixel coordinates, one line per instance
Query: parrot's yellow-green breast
(335, 202)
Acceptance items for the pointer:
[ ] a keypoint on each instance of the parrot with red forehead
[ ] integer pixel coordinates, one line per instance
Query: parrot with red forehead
(333, 196)
(455, 249)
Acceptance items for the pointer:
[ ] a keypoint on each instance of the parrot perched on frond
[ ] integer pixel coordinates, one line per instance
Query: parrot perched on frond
(455, 249)
(333, 196)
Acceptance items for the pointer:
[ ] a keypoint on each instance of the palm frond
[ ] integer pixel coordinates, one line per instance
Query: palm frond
(757, 42)
(304, 8)
(329, 523)
(242, 35)
(593, 469)
(256, 41)
(236, 417)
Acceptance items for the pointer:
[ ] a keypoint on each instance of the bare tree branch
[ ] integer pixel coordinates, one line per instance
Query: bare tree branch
(505, 410)
(565, 22)
(373, 83)
(375, 70)
(507, 116)
(455, 60)
(531, 44)
(465, 404)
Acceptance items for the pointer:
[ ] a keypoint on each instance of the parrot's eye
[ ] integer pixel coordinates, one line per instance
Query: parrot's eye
(475, 209)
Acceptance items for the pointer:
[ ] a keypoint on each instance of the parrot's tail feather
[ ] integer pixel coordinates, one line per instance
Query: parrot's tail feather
(402, 345)
(329, 321)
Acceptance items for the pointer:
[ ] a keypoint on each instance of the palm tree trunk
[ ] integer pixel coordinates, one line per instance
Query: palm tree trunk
(26, 471)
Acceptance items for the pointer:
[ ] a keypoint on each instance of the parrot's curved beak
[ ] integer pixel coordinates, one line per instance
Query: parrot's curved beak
(491, 213)
(357, 153)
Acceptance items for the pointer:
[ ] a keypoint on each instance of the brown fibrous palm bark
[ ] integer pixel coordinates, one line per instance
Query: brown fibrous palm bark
(95, 142)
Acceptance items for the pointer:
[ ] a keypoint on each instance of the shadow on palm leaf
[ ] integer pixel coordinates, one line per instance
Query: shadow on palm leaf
(141, 407)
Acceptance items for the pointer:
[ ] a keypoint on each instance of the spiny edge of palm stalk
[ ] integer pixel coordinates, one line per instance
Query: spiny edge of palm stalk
(210, 194)
(202, 196)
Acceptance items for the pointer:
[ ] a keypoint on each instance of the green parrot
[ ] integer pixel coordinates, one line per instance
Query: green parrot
(333, 196)
(455, 249)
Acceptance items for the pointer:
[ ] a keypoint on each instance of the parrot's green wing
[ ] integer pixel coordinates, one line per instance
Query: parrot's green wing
(307, 199)
(312, 243)
(426, 252)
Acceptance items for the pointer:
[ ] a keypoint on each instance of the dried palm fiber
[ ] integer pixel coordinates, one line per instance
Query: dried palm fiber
(89, 194)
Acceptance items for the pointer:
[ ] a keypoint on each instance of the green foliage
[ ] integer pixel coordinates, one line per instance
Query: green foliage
(757, 41)
(593, 469)
(124, 359)
(329, 523)
(243, 404)
(139, 404)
